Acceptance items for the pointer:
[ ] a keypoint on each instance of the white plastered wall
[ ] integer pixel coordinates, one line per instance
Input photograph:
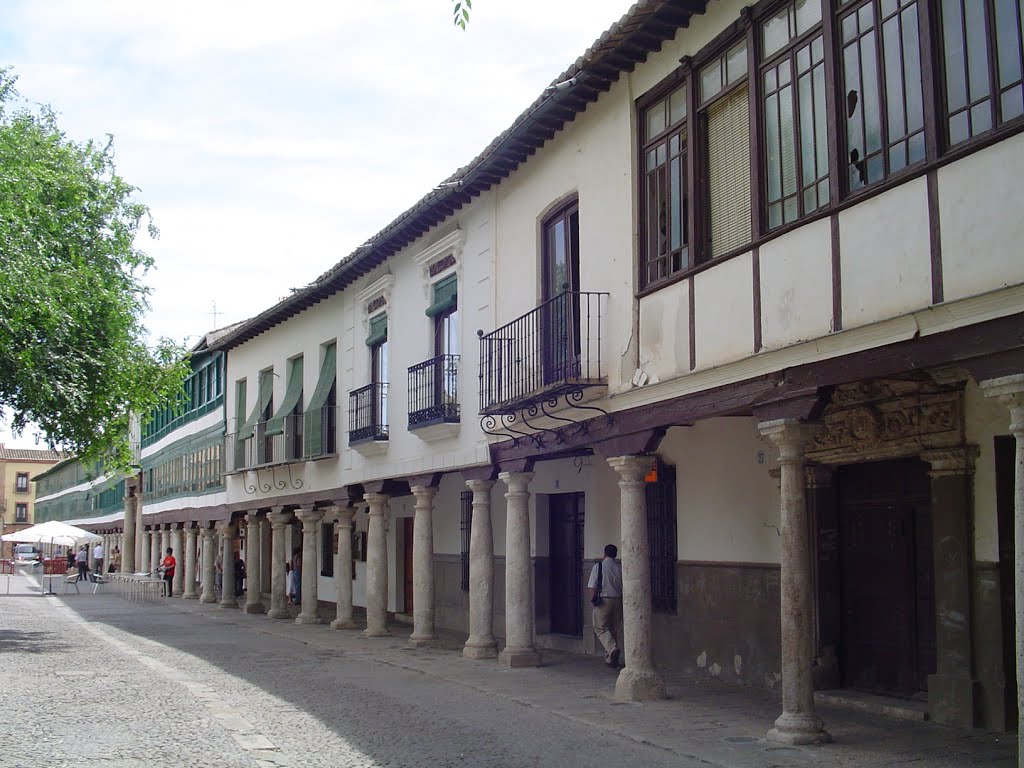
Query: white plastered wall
(985, 419)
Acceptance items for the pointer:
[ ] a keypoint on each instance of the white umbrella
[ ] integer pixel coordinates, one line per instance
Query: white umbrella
(54, 532)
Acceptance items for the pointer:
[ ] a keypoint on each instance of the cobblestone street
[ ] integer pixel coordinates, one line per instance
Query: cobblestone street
(96, 680)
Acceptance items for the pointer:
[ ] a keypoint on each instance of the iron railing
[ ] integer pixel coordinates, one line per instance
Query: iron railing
(261, 449)
(550, 350)
(368, 413)
(434, 391)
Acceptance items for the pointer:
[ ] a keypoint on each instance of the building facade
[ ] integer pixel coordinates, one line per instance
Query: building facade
(741, 292)
(18, 469)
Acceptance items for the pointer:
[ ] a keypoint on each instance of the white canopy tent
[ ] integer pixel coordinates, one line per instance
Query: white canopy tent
(55, 533)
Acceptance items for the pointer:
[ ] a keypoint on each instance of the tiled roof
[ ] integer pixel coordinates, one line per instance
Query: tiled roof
(29, 454)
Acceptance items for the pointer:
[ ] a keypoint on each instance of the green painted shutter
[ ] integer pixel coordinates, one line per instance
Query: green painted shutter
(446, 293)
(314, 410)
(266, 395)
(378, 330)
(275, 425)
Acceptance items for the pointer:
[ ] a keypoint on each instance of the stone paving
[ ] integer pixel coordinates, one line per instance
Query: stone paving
(97, 680)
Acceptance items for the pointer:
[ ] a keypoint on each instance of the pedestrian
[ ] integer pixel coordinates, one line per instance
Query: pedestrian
(71, 558)
(297, 573)
(97, 556)
(239, 574)
(115, 561)
(167, 568)
(606, 596)
(292, 577)
(82, 561)
(218, 572)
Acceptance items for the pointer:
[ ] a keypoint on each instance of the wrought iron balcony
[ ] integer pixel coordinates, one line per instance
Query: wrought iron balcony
(296, 443)
(368, 413)
(434, 392)
(550, 351)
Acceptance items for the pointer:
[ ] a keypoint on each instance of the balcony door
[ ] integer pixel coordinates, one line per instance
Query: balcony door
(560, 285)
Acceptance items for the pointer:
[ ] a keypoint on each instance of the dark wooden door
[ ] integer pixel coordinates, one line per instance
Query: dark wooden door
(565, 528)
(560, 287)
(407, 537)
(888, 593)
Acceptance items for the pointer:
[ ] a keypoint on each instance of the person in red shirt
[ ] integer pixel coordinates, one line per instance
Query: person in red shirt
(167, 567)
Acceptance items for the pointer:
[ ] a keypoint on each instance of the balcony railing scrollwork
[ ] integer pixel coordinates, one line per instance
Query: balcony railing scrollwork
(434, 392)
(368, 413)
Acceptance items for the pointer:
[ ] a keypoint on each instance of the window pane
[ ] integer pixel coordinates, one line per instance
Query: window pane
(710, 80)
(1008, 41)
(955, 56)
(655, 120)
(808, 14)
(677, 108)
(977, 53)
(1012, 103)
(775, 31)
(675, 204)
(774, 175)
(736, 63)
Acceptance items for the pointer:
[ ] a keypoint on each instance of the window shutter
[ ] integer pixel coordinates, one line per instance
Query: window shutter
(728, 142)
(314, 411)
(275, 425)
(266, 393)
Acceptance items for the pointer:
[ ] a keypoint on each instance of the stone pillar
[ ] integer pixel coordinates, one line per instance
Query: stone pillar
(155, 550)
(519, 648)
(481, 643)
(128, 548)
(826, 569)
(179, 557)
(266, 555)
(227, 592)
(144, 552)
(310, 519)
(343, 567)
(376, 567)
(253, 598)
(951, 690)
(798, 723)
(165, 540)
(638, 680)
(209, 555)
(279, 520)
(423, 567)
(1009, 390)
(189, 588)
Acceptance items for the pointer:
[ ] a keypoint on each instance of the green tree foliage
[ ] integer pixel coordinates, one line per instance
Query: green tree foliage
(73, 357)
(460, 12)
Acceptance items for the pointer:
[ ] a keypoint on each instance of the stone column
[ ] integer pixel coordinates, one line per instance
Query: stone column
(279, 520)
(376, 567)
(144, 552)
(343, 567)
(179, 557)
(189, 588)
(165, 540)
(1009, 390)
(638, 680)
(227, 592)
(423, 567)
(155, 550)
(798, 723)
(128, 549)
(310, 519)
(481, 643)
(253, 598)
(519, 648)
(266, 555)
(209, 554)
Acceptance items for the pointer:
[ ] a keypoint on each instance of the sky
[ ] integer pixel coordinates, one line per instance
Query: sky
(270, 140)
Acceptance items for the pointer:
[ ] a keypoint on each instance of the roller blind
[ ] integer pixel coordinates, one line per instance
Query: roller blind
(313, 417)
(378, 330)
(275, 425)
(728, 143)
(266, 395)
(446, 293)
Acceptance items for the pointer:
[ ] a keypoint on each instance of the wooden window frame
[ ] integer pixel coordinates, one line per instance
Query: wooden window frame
(21, 482)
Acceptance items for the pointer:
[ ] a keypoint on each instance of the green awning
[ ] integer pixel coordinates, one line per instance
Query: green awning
(266, 395)
(446, 294)
(314, 409)
(378, 330)
(292, 396)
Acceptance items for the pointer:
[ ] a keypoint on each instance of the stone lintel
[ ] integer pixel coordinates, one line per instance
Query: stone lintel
(952, 461)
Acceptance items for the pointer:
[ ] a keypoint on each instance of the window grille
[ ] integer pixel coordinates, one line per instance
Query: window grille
(466, 502)
(661, 538)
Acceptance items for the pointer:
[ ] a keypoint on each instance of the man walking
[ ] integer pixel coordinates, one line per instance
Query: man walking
(606, 596)
(82, 561)
(97, 556)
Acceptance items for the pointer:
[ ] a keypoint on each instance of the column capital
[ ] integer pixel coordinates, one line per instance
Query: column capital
(1009, 390)
(252, 515)
(516, 482)
(279, 518)
(207, 532)
(376, 502)
(424, 493)
(789, 435)
(958, 460)
(191, 533)
(480, 486)
(226, 528)
(631, 468)
(309, 516)
(342, 516)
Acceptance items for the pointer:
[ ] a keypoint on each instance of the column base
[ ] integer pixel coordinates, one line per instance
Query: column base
(519, 657)
(951, 699)
(797, 729)
(477, 648)
(639, 685)
(343, 624)
(301, 619)
(422, 641)
(278, 613)
(208, 599)
(190, 597)
(255, 608)
(232, 604)
(376, 632)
